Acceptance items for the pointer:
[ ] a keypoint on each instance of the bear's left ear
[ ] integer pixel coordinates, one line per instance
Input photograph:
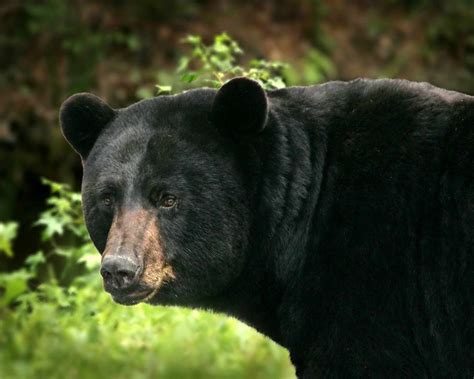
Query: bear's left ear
(83, 116)
(240, 106)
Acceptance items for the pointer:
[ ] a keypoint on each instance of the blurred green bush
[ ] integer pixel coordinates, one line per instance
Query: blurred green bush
(57, 322)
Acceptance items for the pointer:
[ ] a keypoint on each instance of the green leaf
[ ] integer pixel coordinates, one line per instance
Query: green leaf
(189, 77)
(8, 233)
(192, 39)
(90, 260)
(34, 260)
(12, 285)
(54, 186)
(213, 83)
(52, 225)
(160, 90)
(76, 197)
(183, 64)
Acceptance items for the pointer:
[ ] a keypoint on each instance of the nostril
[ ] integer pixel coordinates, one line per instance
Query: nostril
(124, 277)
(119, 272)
(122, 274)
(106, 274)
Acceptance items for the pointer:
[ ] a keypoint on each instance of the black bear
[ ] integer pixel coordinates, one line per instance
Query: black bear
(336, 219)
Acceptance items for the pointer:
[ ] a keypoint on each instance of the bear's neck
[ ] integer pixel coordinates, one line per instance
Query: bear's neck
(291, 156)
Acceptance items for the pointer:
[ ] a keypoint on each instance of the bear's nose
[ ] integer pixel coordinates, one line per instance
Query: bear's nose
(119, 272)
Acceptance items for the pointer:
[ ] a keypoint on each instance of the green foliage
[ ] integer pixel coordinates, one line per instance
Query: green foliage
(15, 283)
(217, 63)
(65, 326)
(214, 64)
(7, 235)
(63, 213)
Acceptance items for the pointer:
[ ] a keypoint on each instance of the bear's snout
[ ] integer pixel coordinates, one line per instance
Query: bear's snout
(133, 265)
(119, 272)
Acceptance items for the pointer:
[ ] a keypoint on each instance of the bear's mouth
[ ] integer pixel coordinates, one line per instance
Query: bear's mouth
(145, 291)
(136, 297)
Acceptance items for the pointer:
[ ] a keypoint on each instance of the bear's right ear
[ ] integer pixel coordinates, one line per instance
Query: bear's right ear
(83, 116)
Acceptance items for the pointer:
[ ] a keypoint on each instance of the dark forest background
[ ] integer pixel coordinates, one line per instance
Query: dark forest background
(119, 50)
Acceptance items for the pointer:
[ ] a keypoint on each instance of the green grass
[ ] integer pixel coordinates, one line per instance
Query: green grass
(81, 333)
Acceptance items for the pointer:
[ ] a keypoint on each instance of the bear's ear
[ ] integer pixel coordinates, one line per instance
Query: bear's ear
(240, 106)
(82, 117)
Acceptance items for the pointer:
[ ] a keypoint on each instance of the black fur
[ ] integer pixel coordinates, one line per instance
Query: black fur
(343, 230)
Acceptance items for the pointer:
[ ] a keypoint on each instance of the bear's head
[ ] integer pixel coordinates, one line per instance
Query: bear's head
(166, 192)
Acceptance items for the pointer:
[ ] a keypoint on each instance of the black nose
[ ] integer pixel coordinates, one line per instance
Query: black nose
(119, 272)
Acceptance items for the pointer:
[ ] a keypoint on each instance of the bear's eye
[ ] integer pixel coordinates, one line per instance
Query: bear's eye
(168, 201)
(163, 200)
(107, 200)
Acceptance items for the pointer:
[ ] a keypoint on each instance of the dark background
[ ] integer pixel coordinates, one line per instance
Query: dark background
(119, 50)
